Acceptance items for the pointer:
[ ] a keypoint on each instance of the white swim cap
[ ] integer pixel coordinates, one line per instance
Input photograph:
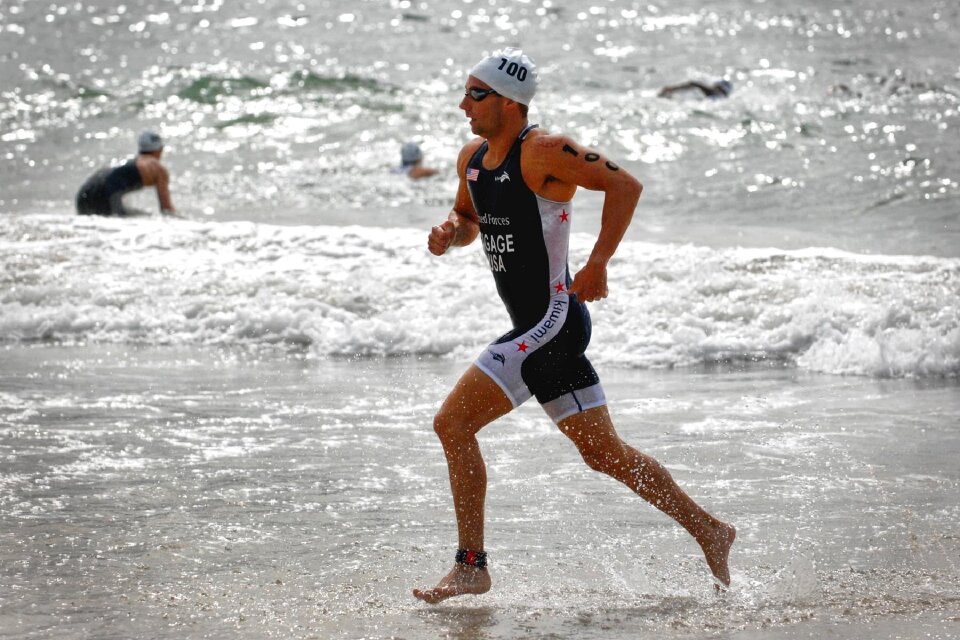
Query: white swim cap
(511, 73)
(149, 141)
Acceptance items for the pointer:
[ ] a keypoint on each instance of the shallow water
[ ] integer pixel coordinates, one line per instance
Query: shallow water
(209, 493)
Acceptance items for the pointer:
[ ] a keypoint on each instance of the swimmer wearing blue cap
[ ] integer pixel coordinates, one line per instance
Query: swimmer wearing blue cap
(411, 162)
(515, 193)
(102, 194)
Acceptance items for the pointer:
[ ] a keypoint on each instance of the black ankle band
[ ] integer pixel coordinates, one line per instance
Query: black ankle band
(470, 558)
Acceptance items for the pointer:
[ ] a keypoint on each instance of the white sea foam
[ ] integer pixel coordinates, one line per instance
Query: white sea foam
(361, 291)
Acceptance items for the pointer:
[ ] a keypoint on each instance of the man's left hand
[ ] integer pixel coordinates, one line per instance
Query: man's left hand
(590, 283)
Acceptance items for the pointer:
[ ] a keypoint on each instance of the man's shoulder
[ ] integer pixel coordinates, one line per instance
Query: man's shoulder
(471, 146)
(546, 162)
(546, 148)
(543, 140)
(467, 151)
(151, 170)
(144, 161)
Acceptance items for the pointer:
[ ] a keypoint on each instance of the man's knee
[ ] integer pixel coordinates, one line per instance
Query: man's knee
(602, 456)
(596, 460)
(447, 426)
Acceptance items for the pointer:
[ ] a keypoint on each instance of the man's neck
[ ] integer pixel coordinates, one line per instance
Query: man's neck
(499, 145)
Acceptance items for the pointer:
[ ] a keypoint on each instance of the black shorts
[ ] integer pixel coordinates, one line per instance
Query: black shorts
(548, 361)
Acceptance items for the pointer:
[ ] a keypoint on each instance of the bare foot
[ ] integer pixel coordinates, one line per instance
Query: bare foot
(461, 580)
(716, 545)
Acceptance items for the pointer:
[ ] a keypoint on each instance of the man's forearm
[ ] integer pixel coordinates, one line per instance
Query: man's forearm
(618, 207)
(465, 229)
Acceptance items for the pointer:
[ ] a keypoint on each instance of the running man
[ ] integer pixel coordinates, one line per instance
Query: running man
(515, 192)
(102, 193)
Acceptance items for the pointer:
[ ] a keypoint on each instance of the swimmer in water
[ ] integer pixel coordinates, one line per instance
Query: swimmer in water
(102, 193)
(718, 89)
(515, 193)
(411, 162)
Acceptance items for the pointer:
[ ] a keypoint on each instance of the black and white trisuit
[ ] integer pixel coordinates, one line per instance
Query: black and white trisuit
(525, 239)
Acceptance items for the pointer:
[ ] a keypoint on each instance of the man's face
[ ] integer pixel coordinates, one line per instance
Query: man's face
(485, 113)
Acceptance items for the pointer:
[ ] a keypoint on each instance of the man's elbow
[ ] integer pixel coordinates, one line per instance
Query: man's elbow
(631, 187)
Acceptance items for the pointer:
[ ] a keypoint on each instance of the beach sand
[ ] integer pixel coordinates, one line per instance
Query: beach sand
(207, 493)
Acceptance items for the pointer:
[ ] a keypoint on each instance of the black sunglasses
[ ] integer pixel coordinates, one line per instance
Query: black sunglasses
(478, 95)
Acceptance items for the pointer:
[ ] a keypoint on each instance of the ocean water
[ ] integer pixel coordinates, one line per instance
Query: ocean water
(359, 291)
(219, 426)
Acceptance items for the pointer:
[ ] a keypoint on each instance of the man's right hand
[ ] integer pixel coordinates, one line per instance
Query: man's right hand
(441, 237)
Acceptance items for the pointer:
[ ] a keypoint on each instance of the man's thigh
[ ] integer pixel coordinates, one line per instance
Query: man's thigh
(475, 401)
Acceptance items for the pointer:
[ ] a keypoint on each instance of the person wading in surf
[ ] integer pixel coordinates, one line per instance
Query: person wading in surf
(515, 191)
(102, 194)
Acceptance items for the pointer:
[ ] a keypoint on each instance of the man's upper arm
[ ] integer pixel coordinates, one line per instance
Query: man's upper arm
(163, 188)
(560, 158)
(463, 203)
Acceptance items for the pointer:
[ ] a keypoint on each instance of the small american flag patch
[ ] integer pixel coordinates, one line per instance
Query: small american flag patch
(473, 174)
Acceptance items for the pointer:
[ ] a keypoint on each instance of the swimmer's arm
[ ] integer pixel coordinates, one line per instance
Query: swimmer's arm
(566, 162)
(163, 191)
(666, 92)
(462, 225)
(422, 172)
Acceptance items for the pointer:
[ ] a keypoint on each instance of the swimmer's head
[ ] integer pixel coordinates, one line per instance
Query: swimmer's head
(511, 73)
(149, 141)
(724, 86)
(410, 153)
